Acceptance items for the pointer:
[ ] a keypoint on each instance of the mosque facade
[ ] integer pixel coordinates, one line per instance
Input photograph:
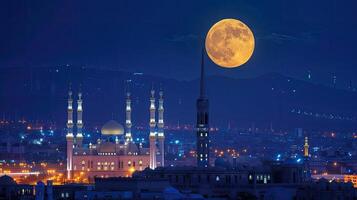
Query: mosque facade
(114, 154)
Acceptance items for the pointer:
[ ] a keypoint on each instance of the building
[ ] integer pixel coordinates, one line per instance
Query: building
(112, 188)
(202, 125)
(137, 188)
(271, 180)
(306, 148)
(49, 191)
(9, 189)
(225, 183)
(114, 154)
(325, 190)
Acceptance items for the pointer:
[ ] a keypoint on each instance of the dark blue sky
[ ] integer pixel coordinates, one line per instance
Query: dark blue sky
(165, 37)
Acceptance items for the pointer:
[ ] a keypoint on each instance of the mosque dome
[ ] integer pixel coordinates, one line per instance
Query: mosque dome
(112, 128)
(221, 162)
(7, 180)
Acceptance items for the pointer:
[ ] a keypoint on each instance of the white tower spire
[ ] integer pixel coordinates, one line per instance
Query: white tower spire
(70, 114)
(128, 118)
(79, 136)
(69, 136)
(152, 135)
(160, 126)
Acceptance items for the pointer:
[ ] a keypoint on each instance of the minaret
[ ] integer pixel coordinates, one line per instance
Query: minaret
(306, 147)
(152, 135)
(202, 122)
(79, 136)
(128, 124)
(160, 126)
(69, 136)
(307, 171)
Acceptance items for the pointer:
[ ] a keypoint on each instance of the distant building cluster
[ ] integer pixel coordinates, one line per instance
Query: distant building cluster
(271, 181)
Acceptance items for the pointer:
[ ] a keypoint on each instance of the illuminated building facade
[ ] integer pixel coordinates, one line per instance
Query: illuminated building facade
(306, 147)
(113, 154)
(307, 169)
(202, 122)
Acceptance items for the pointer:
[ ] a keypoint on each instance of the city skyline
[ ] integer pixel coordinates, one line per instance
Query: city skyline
(112, 100)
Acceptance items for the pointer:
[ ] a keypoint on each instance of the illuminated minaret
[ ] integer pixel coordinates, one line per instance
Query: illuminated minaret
(202, 122)
(79, 136)
(306, 147)
(128, 119)
(160, 126)
(307, 169)
(69, 136)
(152, 135)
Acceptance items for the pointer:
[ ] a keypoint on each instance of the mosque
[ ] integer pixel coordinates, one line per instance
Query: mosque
(115, 153)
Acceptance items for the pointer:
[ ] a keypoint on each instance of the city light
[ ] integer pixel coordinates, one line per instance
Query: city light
(133, 101)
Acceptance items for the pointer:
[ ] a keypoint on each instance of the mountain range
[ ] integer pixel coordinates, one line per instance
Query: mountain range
(268, 101)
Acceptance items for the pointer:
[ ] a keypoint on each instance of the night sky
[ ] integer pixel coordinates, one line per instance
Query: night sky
(164, 38)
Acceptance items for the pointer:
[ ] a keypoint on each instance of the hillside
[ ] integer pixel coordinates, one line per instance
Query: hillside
(40, 93)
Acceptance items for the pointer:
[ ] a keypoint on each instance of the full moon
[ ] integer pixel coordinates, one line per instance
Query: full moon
(229, 43)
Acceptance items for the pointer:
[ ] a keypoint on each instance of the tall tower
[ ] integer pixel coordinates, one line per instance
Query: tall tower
(79, 136)
(152, 136)
(160, 125)
(307, 170)
(306, 147)
(69, 136)
(202, 125)
(128, 124)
